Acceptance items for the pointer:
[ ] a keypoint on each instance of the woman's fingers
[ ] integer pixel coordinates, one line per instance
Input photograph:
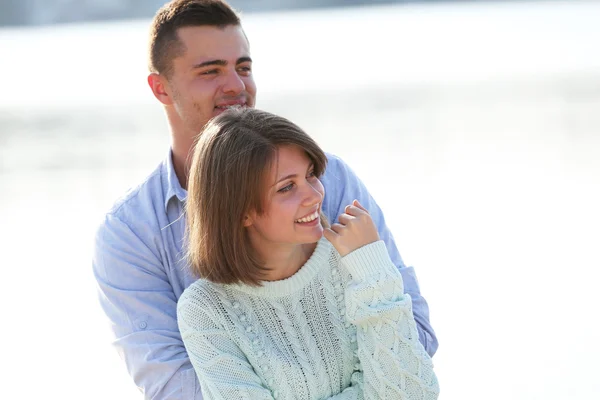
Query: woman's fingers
(337, 228)
(353, 230)
(355, 209)
(330, 235)
(356, 203)
(345, 219)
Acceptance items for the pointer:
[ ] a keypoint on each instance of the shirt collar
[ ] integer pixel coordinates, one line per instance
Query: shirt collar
(171, 186)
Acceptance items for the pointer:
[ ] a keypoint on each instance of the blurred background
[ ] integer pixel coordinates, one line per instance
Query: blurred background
(476, 126)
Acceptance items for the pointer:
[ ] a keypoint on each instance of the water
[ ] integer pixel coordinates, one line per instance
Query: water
(483, 150)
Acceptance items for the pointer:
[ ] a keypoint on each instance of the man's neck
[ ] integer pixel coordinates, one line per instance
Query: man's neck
(182, 147)
(180, 164)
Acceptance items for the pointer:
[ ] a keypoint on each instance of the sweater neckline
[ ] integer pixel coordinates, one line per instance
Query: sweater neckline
(296, 282)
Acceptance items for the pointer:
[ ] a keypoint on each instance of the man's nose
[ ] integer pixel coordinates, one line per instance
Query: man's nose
(234, 84)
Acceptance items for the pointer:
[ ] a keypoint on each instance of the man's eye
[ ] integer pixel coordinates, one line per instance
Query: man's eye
(311, 174)
(209, 72)
(245, 70)
(286, 188)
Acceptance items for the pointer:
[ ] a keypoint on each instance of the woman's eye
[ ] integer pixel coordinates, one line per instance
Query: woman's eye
(286, 188)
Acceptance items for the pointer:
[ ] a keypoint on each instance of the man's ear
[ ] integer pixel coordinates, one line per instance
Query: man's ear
(159, 86)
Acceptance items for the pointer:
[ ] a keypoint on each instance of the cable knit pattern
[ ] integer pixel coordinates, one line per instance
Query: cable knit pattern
(340, 328)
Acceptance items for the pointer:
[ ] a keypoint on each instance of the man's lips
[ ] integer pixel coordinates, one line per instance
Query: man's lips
(230, 104)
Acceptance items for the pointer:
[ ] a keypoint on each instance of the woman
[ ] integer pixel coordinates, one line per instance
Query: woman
(287, 307)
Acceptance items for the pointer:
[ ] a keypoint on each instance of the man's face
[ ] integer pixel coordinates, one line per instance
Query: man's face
(215, 72)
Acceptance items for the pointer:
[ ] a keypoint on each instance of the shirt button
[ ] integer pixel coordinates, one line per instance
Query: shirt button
(275, 394)
(236, 305)
(143, 325)
(334, 271)
(270, 381)
(347, 324)
(260, 353)
(249, 329)
(243, 318)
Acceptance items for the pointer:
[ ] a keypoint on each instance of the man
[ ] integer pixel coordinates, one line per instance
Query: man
(200, 65)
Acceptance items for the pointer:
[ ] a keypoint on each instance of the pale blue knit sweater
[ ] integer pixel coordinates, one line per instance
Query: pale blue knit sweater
(340, 328)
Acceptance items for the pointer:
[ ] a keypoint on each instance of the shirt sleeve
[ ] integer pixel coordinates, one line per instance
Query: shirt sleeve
(139, 301)
(394, 363)
(342, 186)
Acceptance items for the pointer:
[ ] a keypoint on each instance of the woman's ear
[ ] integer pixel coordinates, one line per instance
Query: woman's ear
(247, 221)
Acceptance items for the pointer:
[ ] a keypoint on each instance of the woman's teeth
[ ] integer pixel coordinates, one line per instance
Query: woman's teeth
(310, 218)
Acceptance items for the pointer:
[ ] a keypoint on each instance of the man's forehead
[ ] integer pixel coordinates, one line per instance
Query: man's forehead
(213, 41)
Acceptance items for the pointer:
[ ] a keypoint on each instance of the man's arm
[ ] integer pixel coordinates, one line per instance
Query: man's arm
(342, 186)
(138, 299)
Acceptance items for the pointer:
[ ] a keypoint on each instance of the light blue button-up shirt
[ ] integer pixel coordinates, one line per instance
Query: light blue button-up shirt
(141, 273)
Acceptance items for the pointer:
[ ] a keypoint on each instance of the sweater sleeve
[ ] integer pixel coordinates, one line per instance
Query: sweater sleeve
(354, 391)
(343, 186)
(394, 363)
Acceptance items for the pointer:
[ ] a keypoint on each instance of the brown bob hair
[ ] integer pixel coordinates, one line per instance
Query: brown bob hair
(227, 181)
(164, 44)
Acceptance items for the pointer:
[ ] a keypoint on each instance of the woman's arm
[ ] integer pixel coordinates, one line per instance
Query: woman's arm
(354, 391)
(342, 186)
(394, 363)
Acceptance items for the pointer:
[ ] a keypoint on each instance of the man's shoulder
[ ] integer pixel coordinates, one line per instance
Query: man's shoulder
(334, 161)
(337, 171)
(140, 197)
(140, 210)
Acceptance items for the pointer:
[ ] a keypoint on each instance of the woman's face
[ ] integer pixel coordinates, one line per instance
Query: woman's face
(293, 204)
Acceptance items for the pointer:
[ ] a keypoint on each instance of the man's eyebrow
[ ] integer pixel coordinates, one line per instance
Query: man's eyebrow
(220, 63)
(209, 63)
(243, 60)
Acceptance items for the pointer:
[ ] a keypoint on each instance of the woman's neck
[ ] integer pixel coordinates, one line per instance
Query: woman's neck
(285, 262)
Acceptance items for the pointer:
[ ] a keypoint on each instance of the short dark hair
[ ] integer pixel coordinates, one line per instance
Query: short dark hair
(164, 43)
(227, 181)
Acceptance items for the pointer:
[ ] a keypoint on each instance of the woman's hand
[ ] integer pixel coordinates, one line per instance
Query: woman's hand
(354, 230)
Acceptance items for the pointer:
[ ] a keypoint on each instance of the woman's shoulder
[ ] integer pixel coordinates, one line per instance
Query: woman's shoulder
(201, 297)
